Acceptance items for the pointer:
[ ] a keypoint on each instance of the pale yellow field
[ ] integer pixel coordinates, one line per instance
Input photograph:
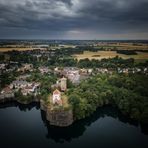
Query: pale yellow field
(30, 48)
(18, 49)
(125, 46)
(110, 54)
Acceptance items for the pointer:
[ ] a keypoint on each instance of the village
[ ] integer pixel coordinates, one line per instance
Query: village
(74, 74)
(69, 89)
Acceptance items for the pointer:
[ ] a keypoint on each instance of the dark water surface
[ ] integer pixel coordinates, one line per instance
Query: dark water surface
(25, 126)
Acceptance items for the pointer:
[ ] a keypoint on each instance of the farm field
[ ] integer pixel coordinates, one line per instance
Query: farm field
(5, 49)
(124, 46)
(141, 56)
(121, 47)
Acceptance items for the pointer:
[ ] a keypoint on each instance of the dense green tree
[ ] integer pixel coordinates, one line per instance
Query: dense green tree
(125, 91)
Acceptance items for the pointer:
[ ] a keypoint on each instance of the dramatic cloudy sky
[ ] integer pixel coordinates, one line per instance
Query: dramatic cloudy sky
(74, 19)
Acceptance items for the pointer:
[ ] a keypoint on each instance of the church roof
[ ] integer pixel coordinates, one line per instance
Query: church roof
(56, 92)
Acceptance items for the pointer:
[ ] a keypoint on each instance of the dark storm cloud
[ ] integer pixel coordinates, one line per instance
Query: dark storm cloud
(69, 2)
(73, 17)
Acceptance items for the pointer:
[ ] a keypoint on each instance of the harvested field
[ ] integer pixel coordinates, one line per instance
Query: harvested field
(110, 54)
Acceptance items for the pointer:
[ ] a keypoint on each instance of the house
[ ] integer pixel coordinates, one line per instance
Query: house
(102, 70)
(43, 70)
(57, 70)
(26, 87)
(72, 73)
(74, 77)
(19, 84)
(28, 90)
(56, 97)
(83, 71)
(90, 71)
(26, 67)
(6, 92)
(31, 89)
(23, 77)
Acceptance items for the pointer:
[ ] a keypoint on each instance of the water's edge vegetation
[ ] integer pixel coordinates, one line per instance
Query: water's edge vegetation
(127, 92)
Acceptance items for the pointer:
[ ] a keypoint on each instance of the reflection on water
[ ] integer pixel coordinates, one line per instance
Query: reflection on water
(78, 128)
(22, 107)
(26, 126)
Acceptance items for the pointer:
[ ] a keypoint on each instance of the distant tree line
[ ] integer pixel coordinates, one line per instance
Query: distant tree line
(127, 52)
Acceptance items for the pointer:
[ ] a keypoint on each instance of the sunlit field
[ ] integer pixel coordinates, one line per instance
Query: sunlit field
(141, 56)
(124, 46)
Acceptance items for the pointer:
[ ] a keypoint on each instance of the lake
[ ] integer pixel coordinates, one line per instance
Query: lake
(25, 126)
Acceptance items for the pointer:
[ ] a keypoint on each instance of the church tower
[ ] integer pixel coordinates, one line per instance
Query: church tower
(56, 97)
(63, 84)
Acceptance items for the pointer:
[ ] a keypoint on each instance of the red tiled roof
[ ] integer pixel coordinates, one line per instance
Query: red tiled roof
(56, 92)
(7, 89)
(28, 87)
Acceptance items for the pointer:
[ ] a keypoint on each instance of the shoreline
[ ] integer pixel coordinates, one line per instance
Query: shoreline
(59, 118)
(62, 118)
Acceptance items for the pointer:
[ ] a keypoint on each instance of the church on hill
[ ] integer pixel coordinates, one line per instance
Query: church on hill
(56, 97)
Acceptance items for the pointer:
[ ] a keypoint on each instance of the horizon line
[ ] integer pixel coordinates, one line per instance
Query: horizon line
(82, 39)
